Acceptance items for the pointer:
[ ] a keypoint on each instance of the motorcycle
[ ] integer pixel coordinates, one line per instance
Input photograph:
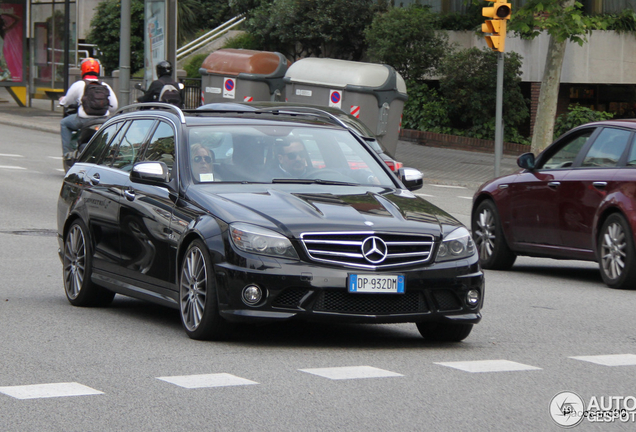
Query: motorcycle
(81, 137)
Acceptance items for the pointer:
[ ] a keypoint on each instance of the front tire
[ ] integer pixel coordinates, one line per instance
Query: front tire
(617, 257)
(78, 267)
(444, 332)
(198, 304)
(493, 249)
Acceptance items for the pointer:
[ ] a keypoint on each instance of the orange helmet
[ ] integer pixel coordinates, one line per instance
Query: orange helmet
(90, 66)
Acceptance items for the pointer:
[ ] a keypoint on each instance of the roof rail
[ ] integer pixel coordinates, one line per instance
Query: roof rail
(305, 110)
(153, 105)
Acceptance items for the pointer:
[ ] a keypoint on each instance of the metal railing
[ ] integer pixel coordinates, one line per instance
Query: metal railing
(209, 36)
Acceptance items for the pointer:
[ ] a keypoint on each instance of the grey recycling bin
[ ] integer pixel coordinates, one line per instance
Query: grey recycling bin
(238, 75)
(374, 93)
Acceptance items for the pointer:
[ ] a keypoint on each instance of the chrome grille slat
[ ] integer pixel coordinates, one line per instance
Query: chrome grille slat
(345, 248)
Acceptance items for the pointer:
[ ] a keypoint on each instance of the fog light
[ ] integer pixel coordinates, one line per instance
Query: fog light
(252, 294)
(472, 297)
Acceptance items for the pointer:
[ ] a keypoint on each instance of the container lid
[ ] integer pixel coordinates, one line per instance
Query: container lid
(233, 62)
(341, 73)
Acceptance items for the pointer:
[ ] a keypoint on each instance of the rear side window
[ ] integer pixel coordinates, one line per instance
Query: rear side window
(161, 146)
(128, 150)
(607, 149)
(95, 153)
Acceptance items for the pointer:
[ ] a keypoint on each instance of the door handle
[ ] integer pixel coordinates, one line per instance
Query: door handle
(130, 195)
(599, 184)
(554, 184)
(95, 179)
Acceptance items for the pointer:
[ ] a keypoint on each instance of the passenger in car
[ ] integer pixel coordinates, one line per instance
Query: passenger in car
(292, 159)
(201, 160)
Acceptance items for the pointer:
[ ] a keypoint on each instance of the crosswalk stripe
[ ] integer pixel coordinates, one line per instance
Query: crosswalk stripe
(352, 372)
(609, 360)
(206, 380)
(37, 391)
(488, 366)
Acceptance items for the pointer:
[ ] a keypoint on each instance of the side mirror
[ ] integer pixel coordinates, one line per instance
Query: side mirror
(526, 161)
(411, 178)
(151, 173)
(139, 87)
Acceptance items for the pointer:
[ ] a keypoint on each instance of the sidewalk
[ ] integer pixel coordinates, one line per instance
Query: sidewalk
(439, 165)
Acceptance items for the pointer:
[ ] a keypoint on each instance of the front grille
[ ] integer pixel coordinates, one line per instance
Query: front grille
(290, 298)
(371, 304)
(346, 249)
(446, 300)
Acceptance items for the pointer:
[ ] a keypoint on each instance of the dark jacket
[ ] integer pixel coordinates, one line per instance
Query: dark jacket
(153, 92)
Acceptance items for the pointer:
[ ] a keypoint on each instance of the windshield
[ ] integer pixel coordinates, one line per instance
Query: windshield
(275, 154)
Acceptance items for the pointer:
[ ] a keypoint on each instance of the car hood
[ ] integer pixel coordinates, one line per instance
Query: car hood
(328, 209)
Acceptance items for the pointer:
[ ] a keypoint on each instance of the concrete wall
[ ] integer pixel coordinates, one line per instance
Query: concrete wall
(85, 12)
(607, 57)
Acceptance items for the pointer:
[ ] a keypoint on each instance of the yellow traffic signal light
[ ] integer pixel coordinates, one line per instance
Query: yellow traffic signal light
(498, 13)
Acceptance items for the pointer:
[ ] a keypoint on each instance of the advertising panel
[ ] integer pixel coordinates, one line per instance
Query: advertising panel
(12, 49)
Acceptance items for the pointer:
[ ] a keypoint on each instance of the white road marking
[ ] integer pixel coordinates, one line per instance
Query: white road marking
(206, 380)
(352, 372)
(38, 391)
(488, 366)
(11, 167)
(11, 155)
(55, 157)
(609, 360)
(447, 186)
(463, 197)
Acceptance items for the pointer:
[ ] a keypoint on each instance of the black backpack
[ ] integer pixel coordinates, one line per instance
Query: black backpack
(95, 99)
(170, 94)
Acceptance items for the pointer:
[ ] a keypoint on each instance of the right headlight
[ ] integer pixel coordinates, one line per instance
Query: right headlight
(457, 245)
(254, 239)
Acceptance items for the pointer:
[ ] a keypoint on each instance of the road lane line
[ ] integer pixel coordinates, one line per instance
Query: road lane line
(11, 167)
(609, 360)
(447, 186)
(11, 155)
(38, 391)
(206, 380)
(353, 372)
(488, 366)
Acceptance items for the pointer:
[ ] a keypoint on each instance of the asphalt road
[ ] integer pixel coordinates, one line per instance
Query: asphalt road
(119, 365)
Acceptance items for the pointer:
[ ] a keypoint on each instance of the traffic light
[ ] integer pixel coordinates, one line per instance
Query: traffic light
(499, 13)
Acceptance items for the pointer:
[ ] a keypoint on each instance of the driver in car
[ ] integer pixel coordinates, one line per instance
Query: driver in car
(292, 162)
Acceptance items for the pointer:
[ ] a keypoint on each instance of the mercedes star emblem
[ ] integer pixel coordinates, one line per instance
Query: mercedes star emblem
(374, 250)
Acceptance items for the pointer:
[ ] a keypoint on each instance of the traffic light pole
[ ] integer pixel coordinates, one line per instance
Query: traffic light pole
(498, 114)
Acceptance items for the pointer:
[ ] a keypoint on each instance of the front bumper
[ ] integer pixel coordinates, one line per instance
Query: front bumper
(299, 290)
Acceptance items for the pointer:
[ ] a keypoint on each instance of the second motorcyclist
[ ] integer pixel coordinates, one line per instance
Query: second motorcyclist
(94, 99)
(164, 88)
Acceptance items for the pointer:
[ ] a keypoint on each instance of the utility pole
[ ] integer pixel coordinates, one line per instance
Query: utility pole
(124, 55)
(499, 114)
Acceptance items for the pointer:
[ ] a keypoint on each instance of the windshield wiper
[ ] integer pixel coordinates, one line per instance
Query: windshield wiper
(312, 181)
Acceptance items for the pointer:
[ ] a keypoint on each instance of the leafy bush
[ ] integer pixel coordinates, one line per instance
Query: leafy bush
(406, 38)
(425, 110)
(468, 82)
(245, 41)
(193, 65)
(576, 116)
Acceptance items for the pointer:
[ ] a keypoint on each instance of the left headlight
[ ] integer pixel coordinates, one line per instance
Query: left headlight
(457, 245)
(254, 239)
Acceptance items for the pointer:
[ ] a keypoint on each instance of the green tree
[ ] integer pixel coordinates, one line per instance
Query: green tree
(564, 21)
(406, 38)
(576, 116)
(468, 85)
(106, 31)
(303, 28)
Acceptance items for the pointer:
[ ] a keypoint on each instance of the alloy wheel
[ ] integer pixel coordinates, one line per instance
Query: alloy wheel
(193, 289)
(613, 250)
(74, 262)
(485, 234)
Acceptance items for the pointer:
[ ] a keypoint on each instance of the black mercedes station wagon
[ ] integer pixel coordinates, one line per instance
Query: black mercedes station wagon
(267, 215)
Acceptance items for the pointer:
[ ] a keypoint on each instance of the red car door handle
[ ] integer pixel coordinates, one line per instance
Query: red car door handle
(554, 184)
(599, 184)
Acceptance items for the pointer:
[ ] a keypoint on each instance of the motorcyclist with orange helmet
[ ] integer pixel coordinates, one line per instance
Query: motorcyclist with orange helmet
(76, 96)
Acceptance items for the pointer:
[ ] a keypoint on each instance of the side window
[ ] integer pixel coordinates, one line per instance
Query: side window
(95, 152)
(607, 149)
(565, 155)
(631, 158)
(161, 146)
(128, 150)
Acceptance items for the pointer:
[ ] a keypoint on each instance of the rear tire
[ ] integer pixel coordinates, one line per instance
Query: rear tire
(198, 303)
(493, 249)
(616, 253)
(444, 332)
(78, 267)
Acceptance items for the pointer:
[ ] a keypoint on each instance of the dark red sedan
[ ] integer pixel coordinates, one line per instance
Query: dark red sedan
(576, 200)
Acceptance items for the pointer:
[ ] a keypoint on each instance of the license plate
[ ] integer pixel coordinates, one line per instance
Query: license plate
(369, 283)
